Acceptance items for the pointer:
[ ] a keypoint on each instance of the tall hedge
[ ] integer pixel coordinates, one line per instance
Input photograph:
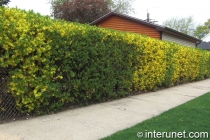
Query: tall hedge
(53, 62)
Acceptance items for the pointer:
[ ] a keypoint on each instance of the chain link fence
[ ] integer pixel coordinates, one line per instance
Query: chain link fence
(8, 110)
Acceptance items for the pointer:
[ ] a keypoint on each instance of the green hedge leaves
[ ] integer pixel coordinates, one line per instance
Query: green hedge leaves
(53, 62)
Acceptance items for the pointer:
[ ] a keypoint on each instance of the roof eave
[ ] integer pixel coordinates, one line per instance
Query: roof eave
(158, 28)
(97, 21)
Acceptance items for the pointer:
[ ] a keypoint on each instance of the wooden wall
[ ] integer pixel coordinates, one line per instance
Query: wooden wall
(118, 23)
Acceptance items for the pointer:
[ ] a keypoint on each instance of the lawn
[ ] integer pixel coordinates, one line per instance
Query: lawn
(193, 116)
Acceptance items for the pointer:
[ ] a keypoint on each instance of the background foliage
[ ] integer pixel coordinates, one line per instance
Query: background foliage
(188, 26)
(4, 2)
(54, 62)
(202, 30)
(83, 11)
(86, 11)
(183, 25)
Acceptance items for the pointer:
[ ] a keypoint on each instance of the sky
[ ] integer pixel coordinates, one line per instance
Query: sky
(160, 10)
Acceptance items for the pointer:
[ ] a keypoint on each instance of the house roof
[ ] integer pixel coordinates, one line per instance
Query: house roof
(156, 26)
(204, 45)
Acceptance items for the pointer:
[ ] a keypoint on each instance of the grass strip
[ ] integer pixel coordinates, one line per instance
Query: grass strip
(193, 116)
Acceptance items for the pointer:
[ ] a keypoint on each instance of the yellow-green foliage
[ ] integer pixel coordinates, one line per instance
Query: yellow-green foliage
(53, 62)
(186, 64)
(150, 65)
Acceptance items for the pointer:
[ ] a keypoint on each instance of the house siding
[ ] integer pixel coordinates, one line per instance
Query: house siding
(118, 23)
(179, 40)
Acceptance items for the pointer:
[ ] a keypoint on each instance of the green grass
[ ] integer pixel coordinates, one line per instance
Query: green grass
(193, 116)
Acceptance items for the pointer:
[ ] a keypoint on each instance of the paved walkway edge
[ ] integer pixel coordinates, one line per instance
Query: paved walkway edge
(100, 120)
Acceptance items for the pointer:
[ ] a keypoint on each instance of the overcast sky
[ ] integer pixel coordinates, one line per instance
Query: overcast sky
(160, 10)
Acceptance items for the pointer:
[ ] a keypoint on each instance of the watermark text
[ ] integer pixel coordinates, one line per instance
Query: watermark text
(170, 135)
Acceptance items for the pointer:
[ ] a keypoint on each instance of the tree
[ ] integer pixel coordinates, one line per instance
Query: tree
(121, 6)
(86, 11)
(4, 2)
(184, 25)
(83, 11)
(203, 30)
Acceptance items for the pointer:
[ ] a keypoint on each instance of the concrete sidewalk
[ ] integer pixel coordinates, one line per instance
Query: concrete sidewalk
(97, 121)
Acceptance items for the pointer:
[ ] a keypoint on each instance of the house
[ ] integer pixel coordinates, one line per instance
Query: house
(122, 22)
(204, 45)
(206, 38)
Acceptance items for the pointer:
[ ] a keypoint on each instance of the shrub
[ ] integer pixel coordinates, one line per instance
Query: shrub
(53, 62)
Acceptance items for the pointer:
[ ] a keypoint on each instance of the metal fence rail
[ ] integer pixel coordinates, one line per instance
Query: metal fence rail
(7, 102)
